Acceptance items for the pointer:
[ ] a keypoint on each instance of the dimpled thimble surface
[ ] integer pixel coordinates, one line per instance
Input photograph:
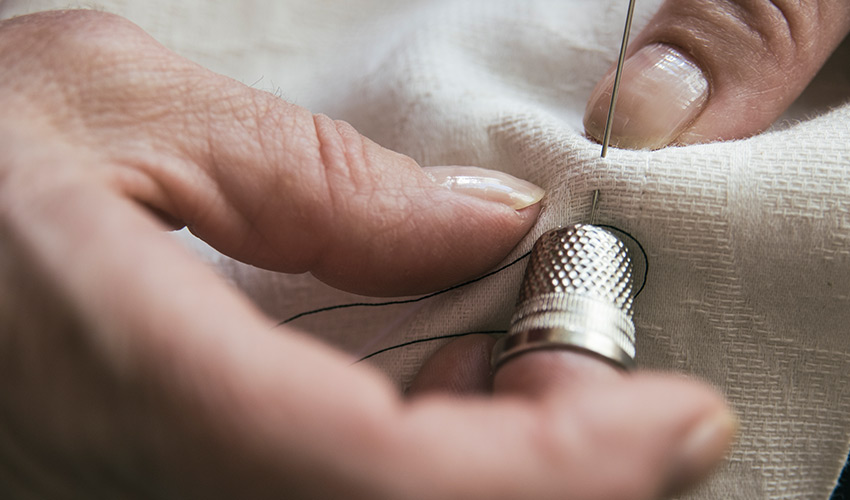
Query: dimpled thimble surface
(576, 294)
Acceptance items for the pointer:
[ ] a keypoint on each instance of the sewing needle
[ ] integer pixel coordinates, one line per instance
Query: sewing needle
(606, 138)
(594, 207)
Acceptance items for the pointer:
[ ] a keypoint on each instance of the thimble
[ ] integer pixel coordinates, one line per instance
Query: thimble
(577, 295)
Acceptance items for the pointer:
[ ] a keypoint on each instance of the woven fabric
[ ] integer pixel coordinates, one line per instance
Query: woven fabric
(748, 242)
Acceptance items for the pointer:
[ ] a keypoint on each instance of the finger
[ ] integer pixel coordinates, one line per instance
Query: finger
(539, 374)
(221, 404)
(358, 216)
(639, 438)
(642, 435)
(464, 367)
(239, 402)
(157, 366)
(269, 183)
(657, 434)
(703, 71)
(212, 402)
(461, 367)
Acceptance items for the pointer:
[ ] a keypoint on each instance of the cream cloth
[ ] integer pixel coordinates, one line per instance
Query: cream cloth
(748, 241)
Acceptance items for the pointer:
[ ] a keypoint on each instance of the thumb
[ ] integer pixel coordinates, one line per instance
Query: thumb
(703, 71)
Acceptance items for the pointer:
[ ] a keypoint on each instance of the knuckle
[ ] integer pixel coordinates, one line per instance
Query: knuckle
(777, 25)
(779, 37)
(340, 147)
(364, 185)
(343, 162)
(67, 36)
(74, 60)
(78, 51)
(779, 30)
(90, 71)
(352, 162)
(763, 43)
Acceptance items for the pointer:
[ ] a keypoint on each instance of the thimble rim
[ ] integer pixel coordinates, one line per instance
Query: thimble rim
(588, 342)
(574, 311)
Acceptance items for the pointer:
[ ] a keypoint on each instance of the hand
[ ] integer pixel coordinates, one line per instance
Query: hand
(129, 369)
(706, 70)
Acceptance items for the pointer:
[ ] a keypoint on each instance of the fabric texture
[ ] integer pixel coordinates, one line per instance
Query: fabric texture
(748, 242)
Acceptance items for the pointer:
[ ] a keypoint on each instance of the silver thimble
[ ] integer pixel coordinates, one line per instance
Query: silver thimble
(576, 294)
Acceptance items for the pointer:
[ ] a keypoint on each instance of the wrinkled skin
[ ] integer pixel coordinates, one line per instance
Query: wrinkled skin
(130, 370)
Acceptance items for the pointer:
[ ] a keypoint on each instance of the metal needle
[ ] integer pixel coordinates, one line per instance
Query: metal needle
(606, 138)
(594, 207)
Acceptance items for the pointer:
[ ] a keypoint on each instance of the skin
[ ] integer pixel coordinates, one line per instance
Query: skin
(756, 55)
(130, 370)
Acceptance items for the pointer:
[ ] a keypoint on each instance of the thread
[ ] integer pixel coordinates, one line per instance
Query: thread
(405, 301)
(430, 339)
(453, 288)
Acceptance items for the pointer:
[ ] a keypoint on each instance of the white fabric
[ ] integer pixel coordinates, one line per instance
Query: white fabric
(748, 241)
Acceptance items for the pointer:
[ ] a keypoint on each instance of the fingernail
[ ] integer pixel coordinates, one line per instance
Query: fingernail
(490, 185)
(661, 94)
(702, 449)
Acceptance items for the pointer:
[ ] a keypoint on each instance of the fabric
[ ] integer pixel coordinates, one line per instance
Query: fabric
(748, 242)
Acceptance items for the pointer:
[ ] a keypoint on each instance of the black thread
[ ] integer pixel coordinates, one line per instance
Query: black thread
(642, 251)
(431, 295)
(429, 339)
(406, 301)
